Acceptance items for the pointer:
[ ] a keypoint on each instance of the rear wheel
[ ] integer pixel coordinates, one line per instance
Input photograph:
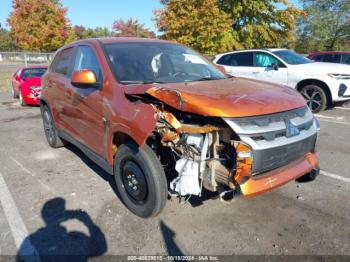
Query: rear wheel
(140, 180)
(50, 129)
(21, 100)
(316, 98)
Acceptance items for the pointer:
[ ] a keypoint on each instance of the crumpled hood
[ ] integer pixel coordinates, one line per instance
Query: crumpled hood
(324, 68)
(235, 97)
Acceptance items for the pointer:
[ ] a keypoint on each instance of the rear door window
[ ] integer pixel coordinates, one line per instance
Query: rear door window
(62, 63)
(332, 58)
(244, 59)
(86, 59)
(345, 59)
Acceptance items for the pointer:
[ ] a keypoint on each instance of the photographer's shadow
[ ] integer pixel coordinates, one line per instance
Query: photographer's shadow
(55, 243)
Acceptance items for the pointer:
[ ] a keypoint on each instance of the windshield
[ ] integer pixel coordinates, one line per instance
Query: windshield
(134, 63)
(291, 57)
(33, 72)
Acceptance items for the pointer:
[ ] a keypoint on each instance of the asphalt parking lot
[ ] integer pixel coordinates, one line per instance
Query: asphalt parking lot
(37, 182)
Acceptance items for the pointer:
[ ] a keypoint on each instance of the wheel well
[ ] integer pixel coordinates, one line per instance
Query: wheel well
(318, 83)
(43, 102)
(120, 138)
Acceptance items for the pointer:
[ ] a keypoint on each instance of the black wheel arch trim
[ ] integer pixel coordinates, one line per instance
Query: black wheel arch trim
(318, 83)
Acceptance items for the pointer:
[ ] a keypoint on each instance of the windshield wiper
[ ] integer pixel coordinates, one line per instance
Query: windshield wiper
(135, 82)
(208, 78)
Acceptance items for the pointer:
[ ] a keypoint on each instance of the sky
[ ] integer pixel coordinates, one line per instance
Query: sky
(92, 13)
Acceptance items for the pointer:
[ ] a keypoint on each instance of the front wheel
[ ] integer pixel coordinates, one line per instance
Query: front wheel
(21, 100)
(140, 180)
(316, 98)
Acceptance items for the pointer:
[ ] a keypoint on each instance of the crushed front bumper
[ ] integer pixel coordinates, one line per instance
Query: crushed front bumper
(262, 183)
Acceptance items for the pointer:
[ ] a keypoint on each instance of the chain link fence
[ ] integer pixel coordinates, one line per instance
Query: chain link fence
(11, 61)
(25, 58)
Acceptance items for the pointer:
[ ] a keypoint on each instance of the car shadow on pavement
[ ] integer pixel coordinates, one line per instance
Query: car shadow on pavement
(94, 167)
(193, 200)
(54, 243)
(169, 239)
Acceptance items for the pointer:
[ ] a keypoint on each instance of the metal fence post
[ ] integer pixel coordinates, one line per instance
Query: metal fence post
(25, 59)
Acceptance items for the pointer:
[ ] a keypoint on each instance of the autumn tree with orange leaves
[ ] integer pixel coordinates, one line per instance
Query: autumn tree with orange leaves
(40, 25)
(132, 28)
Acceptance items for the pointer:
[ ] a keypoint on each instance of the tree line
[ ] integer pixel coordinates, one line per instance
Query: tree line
(209, 26)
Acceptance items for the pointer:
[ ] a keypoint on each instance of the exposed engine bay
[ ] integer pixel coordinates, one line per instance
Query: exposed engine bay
(198, 152)
(221, 154)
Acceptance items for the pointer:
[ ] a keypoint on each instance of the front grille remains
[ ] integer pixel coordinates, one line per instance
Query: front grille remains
(272, 140)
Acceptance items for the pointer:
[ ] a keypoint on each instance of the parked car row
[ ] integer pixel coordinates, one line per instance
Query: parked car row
(164, 120)
(321, 84)
(331, 57)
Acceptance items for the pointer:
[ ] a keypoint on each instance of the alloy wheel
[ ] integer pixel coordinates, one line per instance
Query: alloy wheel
(313, 98)
(20, 98)
(48, 126)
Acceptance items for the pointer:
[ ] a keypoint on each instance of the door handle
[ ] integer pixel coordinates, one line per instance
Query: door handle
(256, 72)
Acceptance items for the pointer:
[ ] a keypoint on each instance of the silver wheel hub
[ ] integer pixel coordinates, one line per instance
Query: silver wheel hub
(313, 98)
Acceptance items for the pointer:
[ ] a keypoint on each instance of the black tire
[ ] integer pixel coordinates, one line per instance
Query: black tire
(316, 98)
(50, 129)
(21, 101)
(148, 195)
(13, 93)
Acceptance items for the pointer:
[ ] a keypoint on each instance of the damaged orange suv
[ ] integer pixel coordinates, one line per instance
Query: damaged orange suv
(163, 119)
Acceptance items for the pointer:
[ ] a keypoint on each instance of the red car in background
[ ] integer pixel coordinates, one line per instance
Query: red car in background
(26, 84)
(339, 57)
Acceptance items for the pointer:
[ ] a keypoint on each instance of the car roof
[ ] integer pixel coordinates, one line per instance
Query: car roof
(252, 50)
(34, 66)
(113, 40)
(329, 52)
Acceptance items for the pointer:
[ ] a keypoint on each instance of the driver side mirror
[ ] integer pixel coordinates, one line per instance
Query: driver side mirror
(221, 68)
(275, 66)
(84, 79)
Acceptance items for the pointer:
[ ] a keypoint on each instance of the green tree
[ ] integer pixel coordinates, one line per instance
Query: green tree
(196, 23)
(40, 25)
(131, 28)
(6, 41)
(326, 26)
(262, 23)
(82, 33)
(223, 25)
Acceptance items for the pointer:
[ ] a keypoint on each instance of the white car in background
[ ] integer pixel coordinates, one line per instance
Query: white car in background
(321, 84)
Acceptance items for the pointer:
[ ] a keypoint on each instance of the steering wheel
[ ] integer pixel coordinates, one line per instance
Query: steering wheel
(181, 73)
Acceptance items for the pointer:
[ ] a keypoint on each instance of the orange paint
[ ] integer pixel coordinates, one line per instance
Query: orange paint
(235, 97)
(276, 178)
(84, 77)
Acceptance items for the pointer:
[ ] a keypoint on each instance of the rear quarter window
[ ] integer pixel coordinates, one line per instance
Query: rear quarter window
(62, 62)
(225, 60)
